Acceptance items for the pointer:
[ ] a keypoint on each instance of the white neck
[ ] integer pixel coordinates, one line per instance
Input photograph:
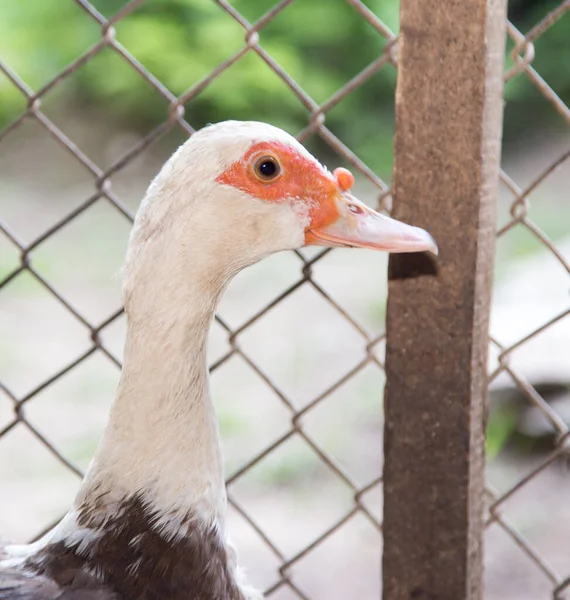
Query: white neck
(190, 237)
(162, 438)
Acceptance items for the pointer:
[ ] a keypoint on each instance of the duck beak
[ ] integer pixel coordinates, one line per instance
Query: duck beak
(358, 226)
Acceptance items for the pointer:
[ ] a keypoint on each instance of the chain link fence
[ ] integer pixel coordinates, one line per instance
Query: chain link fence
(521, 212)
(282, 580)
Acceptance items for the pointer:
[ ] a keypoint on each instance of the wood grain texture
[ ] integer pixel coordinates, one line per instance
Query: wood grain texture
(447, 152)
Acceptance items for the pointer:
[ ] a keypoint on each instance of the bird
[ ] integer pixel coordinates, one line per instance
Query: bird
(149, 519)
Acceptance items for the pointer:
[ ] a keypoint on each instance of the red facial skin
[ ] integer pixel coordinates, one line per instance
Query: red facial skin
(300, 178)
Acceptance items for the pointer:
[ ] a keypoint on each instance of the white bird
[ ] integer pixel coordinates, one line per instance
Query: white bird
(148, 521)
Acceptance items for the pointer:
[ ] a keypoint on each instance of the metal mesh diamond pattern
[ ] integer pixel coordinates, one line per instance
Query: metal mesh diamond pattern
(103, 192)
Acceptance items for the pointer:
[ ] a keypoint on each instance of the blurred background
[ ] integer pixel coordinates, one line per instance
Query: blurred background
(305, 345)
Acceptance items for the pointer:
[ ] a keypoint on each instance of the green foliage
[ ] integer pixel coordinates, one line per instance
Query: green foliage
(322, 45)
(501, 426)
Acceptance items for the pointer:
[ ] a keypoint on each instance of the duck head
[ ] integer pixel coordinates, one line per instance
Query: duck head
(236, 192)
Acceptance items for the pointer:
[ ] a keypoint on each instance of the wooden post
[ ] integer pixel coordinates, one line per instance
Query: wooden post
(447, 151)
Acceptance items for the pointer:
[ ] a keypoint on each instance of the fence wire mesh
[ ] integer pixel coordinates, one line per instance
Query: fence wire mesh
(539, 398)
(283, 581)
(103, 192)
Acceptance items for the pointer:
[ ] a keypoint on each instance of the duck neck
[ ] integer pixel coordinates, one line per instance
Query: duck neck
(162, 441)
(153, 500)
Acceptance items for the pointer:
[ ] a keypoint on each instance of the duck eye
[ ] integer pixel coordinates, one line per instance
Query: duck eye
(267, 168)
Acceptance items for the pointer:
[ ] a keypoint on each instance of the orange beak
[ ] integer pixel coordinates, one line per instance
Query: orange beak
(352, 224)
(358, 226)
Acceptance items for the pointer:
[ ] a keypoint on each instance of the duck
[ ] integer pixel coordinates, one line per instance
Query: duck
(149, 519)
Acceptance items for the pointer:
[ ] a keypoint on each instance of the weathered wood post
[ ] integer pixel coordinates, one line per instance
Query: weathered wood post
(447, 152)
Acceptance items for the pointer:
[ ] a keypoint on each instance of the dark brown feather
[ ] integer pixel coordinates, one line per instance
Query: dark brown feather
(17, 585)
(129, 560)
